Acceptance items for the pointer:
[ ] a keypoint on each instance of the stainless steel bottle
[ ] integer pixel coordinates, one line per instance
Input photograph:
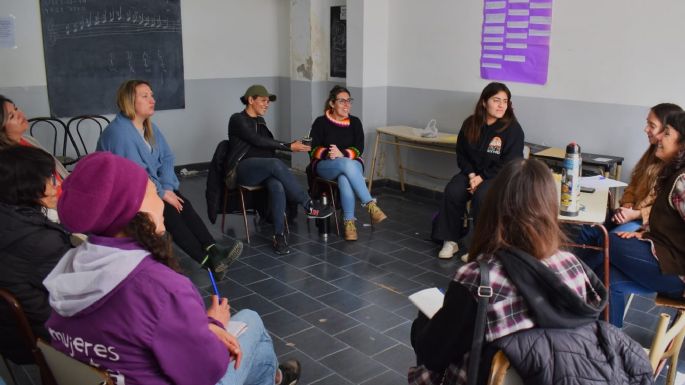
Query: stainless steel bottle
(324, 223)
(569, 204)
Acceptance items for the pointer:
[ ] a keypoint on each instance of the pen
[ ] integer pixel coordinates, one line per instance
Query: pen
(211, 278)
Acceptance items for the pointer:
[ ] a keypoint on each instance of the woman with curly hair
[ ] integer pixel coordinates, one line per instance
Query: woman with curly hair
(119, 303)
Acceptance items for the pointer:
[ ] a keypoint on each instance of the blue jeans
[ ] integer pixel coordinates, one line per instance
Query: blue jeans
(279, 181)
(634, 269)
(259, 363)
(350, 177)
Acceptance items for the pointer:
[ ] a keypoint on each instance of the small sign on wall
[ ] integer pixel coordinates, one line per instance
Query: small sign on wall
(339, 41)
(515, 40)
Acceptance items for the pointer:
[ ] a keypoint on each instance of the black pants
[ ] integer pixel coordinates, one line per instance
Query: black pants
(187, 229)
(449, 225)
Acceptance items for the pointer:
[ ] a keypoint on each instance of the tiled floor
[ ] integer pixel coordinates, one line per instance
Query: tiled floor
(340, 307)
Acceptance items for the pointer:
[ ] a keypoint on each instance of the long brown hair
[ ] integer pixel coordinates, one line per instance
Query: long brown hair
(126, 101)
(676, 121)
(520, 210)
(143, 230)
(5, 141)
(648, 167)
(475, 122)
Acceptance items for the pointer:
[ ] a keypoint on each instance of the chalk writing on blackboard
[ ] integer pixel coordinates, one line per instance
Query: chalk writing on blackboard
(338, 41)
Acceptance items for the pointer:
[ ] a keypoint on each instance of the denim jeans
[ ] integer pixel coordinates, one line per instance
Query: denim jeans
(634, 269)
(279, 181)
(350, 177)
(259, 363)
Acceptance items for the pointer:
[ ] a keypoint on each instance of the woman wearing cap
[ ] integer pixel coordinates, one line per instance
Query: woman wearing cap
(119, 303)
(133, 135)
(30, 244)
(252, 151)
(338, 144)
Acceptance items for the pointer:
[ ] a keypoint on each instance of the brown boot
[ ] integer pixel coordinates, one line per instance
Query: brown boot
(350, 230)
(377, 215)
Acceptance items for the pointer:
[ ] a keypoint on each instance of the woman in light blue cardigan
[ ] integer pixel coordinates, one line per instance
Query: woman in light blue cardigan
(133, 135)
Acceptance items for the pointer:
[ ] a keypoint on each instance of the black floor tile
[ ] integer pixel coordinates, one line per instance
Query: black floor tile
(337, 258)
(326, 271)
(271, 288)
(398, 283)
(355, 285)
(261, 261)
(311, 248)
(286, 273)
(231, 289)
(398, 358)
(365, 270)
(280, 347)
(333, 379)
(401, 333)
(383, 246)
(299, 259)
(254, 302)
(315, 343)
(412, 256)
(284, 324)
(313, 286)
(431, 279)
(377, 318)
(312, 370)
(387, 378)
(343, 301)
(387, 299)
(404, 269)
(299, 303)
(246, 275)
(348, 365)
(366, 340)
(330, 320)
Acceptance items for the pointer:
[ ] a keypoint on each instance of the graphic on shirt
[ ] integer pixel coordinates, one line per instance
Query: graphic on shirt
(495, 146)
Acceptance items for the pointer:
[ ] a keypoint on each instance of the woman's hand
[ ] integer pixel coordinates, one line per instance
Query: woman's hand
(625, 215)
(171, 198)
(229, 341)
(474, 183)
(334, 152)
(630, 234)
(298, 146)
(219, 310)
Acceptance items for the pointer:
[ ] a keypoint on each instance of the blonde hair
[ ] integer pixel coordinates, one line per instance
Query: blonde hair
(126, 101)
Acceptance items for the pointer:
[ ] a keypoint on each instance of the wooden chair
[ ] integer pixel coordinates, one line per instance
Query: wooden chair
(501, 372)
(24, 330)
(55, 125)
(668, 340)
(68, 371)
(98, 122)
(243, 190)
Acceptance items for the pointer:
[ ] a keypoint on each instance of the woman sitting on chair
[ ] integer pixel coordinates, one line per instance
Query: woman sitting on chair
(533, 285)
(133, 135)
(487, 141)
(252, 155)
(30, 244)
(337, 147)
(120, 304)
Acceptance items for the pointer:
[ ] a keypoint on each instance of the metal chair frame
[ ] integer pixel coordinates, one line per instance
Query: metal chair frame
(78, 120)
(242, 190)
(54, 122)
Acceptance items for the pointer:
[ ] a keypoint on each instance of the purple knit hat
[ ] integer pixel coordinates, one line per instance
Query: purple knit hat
(102, 195)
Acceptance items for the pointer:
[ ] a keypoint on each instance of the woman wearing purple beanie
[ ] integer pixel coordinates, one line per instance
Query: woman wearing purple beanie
(119, 303)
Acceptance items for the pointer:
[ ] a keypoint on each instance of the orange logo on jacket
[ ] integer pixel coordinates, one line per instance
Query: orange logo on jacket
(495, 146)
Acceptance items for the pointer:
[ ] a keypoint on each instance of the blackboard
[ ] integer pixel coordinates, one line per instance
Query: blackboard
(338, 41)
(92, 46)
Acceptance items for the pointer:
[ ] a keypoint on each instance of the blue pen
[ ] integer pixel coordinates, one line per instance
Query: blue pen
(216, 289)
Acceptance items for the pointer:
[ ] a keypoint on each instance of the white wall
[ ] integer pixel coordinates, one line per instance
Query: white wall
(610, 51)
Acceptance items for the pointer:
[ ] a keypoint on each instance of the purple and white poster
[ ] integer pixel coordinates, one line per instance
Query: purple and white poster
(515, 40)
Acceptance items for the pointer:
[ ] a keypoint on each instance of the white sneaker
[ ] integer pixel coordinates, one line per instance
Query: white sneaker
(449, 248)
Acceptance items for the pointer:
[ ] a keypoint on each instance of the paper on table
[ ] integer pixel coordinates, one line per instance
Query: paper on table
(599, 181)
(429, 301)
(236, 328)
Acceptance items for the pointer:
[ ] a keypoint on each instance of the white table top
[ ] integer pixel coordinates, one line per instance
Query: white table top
(593, 208)
(407, 133)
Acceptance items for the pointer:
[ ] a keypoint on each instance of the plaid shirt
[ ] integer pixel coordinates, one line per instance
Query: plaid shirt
(507, 311)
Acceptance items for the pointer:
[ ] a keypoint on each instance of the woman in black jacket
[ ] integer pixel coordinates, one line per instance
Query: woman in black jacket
(30, 244)
(487, 141)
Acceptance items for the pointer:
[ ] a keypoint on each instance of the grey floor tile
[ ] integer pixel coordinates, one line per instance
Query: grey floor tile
(355, 285)
(286, 273)
(446, 267)
(398, 358)
(271, 288)
(398, 283)
(261, 261)
(412, 256)
(299, 259)
(281, 347)
(313, 286)
(375, 257)
(330, 320)
(403, 269)
(337, 258)
(343, 301)
(283, 324)
(409, 312)
(326, 271)
(366, 340)
(365, 270)
(311, 248)
(389, 377)
(315, 343)
(420, 245)
(333, 379)
(377, 318)
(348, 365)
(254, 302)
(432, 279)
(351, 248)
(387, 299)
(401, 333)
(383, 245)
(231, 289)
(312, 371)
(298, 303)
(246, 275)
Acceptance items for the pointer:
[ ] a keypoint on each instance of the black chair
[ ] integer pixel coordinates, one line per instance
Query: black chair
(243, 190)
(55, 125)
(76, 124)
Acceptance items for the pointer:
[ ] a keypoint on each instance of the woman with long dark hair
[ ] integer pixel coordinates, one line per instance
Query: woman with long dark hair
(30, 243)
(120, 304)
(133, 135)
(487, 141)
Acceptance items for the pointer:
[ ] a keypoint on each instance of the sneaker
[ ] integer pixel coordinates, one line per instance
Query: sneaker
(317, 210)
(377, 215)
(465, 258)
(219, 258)
(449, 248)
(280, 245)
(350, 230)
(290, 372)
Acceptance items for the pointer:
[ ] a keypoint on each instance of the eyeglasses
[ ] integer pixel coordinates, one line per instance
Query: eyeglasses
(345, 101)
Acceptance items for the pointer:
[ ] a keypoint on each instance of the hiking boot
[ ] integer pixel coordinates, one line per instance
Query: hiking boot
(317, 210)
(350, 230)
(449, 248)
(377, 215)
(280, 245)
(220, 258)
(290, 372)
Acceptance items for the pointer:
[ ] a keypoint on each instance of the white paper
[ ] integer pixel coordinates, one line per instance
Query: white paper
(429, 301)
(7, 32)
(600, 182)
(601, 159)
(236, 328)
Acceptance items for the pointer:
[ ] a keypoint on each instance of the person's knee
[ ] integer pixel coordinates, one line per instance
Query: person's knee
(250, 317)
(455, 192)
(275, 187)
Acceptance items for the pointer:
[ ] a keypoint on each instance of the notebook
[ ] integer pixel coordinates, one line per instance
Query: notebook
(429, 301)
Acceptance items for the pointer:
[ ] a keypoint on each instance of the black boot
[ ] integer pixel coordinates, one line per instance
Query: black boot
(219, 258)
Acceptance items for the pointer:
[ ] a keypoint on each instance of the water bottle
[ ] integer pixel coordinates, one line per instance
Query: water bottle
(570, 181)
(323, 223)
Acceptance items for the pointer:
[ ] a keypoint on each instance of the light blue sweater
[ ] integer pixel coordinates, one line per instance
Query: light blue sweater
(122, 138)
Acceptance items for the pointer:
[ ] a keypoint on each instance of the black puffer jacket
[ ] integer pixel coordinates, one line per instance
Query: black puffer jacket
(596, 353)
(30, 246)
